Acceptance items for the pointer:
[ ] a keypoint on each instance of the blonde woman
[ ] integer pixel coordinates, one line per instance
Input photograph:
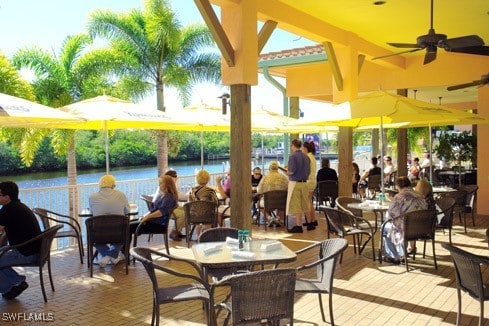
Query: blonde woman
(310, 150)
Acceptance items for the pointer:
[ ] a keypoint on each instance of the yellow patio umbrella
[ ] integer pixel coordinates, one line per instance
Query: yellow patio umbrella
(107, 112)
(16, 112)
(378, 108)
(386, 108)
(203, 117)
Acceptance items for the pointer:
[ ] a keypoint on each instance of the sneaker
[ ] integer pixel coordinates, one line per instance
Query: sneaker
(104, 261)
(15, 291)
(119, 258)
(295, 229)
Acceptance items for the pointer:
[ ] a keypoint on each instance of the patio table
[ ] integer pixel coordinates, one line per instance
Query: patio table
(223, 255)
(372, 206)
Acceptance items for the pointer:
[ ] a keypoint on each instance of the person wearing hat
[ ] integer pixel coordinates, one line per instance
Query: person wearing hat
(108, 201)
(273, 180)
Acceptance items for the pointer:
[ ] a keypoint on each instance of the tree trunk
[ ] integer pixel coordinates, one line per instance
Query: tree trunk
(162, 135)
(162, 151)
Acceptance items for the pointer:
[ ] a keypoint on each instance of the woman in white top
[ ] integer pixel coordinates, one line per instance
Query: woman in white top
(310, 150)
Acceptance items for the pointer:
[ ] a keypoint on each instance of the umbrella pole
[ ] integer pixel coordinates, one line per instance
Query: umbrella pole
(262, 154)
(107, 160)
(202, 149)
(381, 153)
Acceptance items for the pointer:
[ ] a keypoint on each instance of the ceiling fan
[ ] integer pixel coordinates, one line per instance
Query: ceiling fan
(470, 44)
(481, 82)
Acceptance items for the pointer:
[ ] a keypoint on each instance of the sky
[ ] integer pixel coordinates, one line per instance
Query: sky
(46, 23)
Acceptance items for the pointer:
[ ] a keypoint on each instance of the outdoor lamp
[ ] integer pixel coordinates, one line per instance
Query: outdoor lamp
(225, 101)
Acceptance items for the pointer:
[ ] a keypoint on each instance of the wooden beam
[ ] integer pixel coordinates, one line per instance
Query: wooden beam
(335, 68)
(216, 30)
(265, 33)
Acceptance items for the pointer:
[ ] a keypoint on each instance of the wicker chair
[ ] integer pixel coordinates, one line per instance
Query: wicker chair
(445, 215)
(342, 204)
(274, 200)
(198, 290)
(74, 228)
(323, 269)
(469, 278)
(460, 197)
(199, 212)
(418, 225)
(374, 184)
(218, 234)
(469, 202)
(344, 224)
(326, 191)
(214, 235)
(256, 296)
(46, 239)
(103, 229)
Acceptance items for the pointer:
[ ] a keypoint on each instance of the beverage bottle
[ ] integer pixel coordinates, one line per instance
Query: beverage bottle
(240, 240)
(381, 198)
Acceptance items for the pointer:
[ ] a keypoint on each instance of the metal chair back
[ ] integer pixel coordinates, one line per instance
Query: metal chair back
(178, 267)
(199, 212)
(326, 191)
(73, 230)
(104, 229)
(469, 277)
(256, 296)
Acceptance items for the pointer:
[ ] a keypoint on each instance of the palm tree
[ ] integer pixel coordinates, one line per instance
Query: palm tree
(61, 80)
(158, 51)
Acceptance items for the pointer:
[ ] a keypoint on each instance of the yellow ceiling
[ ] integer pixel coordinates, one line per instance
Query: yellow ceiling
(369, 27)
(397, 20)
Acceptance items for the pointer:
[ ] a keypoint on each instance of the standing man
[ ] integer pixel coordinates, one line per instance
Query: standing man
(298, 169)
(20, 225)
(104, 202)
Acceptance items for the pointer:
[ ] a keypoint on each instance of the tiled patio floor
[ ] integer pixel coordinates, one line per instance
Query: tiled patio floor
(365, 292)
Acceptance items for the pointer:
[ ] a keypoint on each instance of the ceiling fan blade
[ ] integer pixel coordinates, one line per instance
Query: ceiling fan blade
(393, 54)
(461, 42)
(430, 54)
(405, 45)
(479, 50)
(460, 86)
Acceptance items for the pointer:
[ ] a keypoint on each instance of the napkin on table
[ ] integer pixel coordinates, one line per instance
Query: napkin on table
(212, 249)
(271, 246)
(232, 241)
(243, 254)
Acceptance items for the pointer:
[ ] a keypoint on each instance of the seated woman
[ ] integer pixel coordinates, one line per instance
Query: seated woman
(393, 233)
(203, 192)
(163, 206)
(414, 170)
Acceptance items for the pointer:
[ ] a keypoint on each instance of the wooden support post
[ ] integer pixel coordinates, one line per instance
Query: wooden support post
(240, 159)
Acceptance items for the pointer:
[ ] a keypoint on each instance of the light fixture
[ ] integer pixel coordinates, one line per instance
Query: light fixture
(225, 101)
